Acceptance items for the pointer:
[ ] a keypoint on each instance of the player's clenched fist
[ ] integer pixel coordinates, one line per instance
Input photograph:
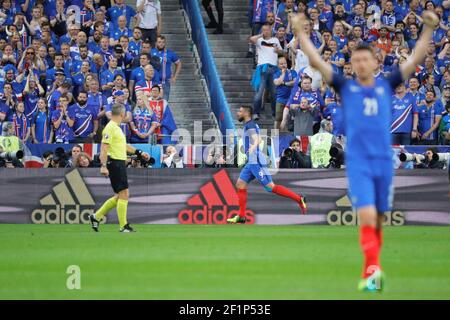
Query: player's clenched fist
(430, 19)
(299, 23)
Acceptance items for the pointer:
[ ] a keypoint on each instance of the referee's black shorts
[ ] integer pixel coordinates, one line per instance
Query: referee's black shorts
(117, 174)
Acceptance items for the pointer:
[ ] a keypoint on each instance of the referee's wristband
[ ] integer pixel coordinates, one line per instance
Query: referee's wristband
(138, 152)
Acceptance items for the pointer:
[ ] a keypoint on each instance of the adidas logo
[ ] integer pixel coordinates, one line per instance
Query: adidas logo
(217, 201)
(69, 202)
(345, 216)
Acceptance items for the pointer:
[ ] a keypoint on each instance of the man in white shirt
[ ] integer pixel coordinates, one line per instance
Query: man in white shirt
(267, 48)
(149, 15)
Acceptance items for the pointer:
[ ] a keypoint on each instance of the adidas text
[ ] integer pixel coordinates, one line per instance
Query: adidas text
(205, 215)
(62, 214)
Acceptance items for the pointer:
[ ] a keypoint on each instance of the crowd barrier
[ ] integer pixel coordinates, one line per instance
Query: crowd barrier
(219, 103)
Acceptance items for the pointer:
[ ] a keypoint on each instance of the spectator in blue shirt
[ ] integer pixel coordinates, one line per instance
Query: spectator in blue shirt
(284, 80)
(120, 9)
(41, 124)
(167, 57)
(107, 77)
(120, 30)
(430, 115)
(135, 45)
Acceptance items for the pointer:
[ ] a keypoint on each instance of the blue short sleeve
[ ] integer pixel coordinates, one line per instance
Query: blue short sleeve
(337, 82)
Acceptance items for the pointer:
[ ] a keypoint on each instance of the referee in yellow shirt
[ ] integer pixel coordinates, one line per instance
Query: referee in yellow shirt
(113, 156)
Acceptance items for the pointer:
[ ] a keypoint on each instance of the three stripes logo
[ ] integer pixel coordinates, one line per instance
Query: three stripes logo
(69, 202)
(216, 202)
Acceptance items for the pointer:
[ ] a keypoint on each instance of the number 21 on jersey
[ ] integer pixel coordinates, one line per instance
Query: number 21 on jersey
(370, 106)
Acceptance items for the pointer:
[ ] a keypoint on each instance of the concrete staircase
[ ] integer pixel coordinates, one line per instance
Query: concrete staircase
(229, 50)
(188, 99)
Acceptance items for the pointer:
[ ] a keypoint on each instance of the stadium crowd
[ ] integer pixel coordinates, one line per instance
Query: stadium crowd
(299, 97)
(64, 63)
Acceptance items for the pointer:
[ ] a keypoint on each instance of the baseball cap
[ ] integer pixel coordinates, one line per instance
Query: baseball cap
(118, 48)
(398, 31)
(59, 72)
(447, 86)
(118, 93)
(372, 38)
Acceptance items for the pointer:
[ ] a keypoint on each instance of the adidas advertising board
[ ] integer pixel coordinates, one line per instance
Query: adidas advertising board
(208, 196)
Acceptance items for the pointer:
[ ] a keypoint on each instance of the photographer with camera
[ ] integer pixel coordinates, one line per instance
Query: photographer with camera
(431, 160)
(11, 147)
(293, 157)
(171, 158)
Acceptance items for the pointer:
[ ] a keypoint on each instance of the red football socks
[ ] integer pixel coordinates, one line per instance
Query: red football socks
(285, 192)
(242, 195)
(380, 237)
(371, 248)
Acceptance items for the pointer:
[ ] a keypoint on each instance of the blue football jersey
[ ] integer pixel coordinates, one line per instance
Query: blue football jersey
(251, 128)
(367, 115)
(64, 133)
(402, 113)
(83, 119)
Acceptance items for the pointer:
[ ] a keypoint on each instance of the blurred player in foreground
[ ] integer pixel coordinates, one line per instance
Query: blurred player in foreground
(366, 105)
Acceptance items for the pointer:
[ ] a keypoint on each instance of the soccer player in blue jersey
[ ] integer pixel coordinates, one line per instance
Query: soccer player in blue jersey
(256, 168)
(366, 105)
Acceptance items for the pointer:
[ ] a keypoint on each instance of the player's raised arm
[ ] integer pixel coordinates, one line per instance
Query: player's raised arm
(299, 23)
(430, 21)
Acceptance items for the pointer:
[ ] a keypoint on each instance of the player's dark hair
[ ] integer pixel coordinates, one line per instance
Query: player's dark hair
(327, 49)
(81, 92)
(267, 24)
(364, 47)
(156, 86)
(248, 109)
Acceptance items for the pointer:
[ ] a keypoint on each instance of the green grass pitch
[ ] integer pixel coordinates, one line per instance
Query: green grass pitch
(217, 262)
